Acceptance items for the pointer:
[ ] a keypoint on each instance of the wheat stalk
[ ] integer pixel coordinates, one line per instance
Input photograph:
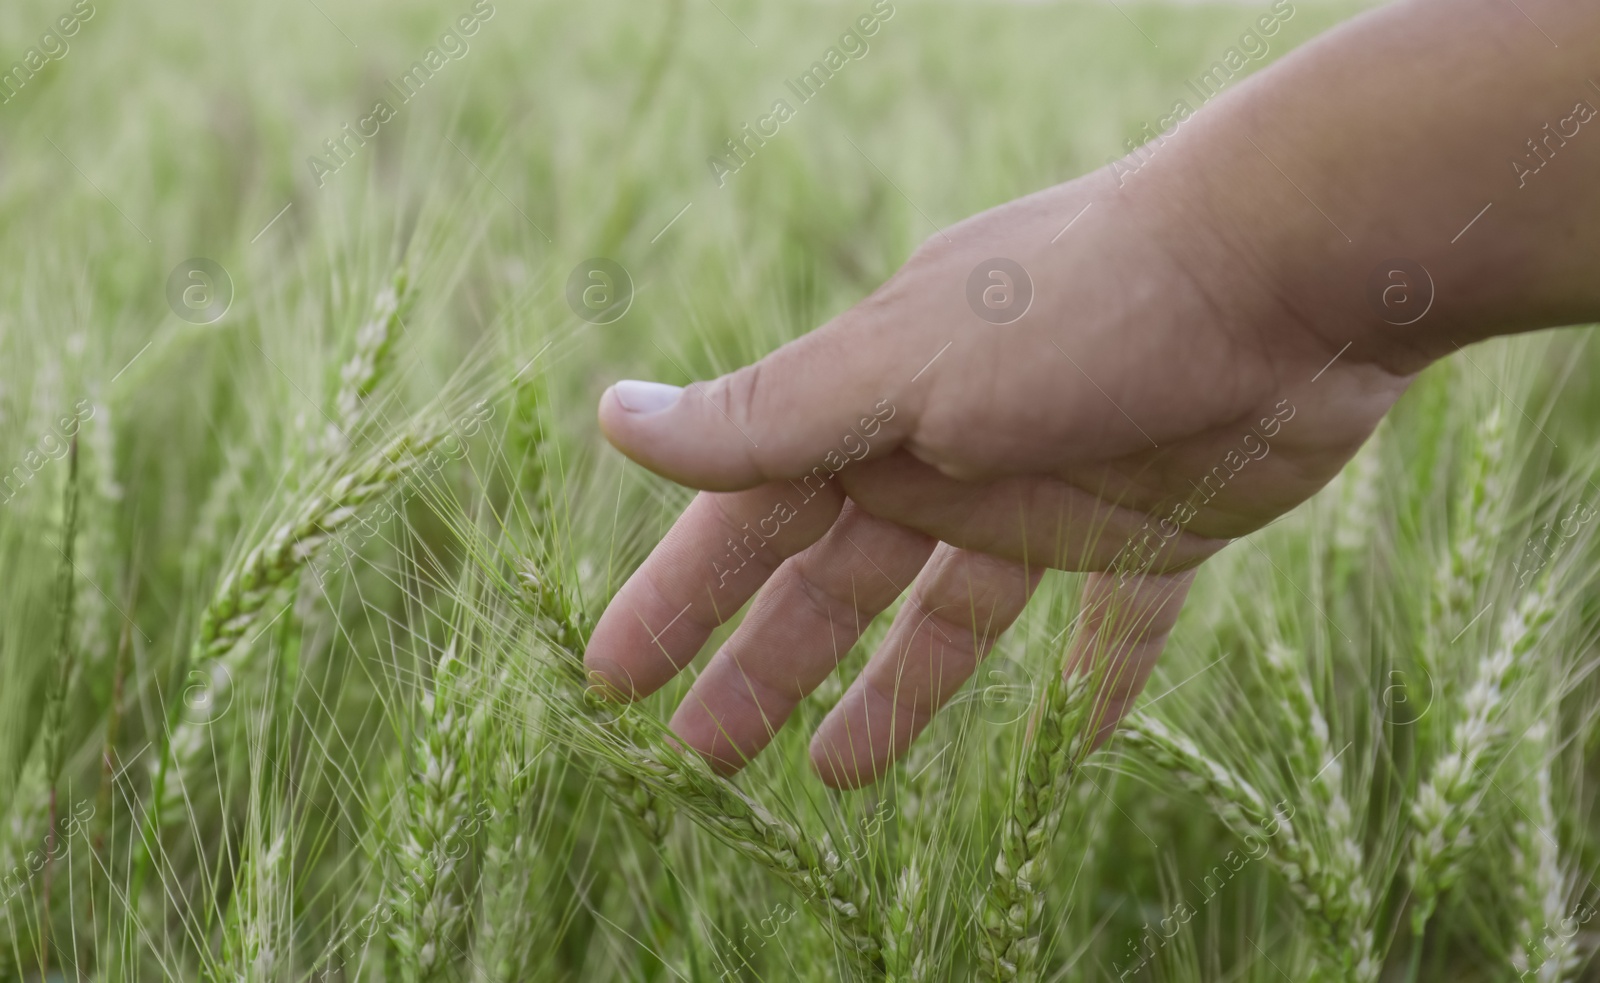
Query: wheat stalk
(428, 905)
(1015, 901)
(650, 773)
(1348, 900)
(511, 918)
(1245, 812)
(1476, 529)
(241, 600)
(369, 363)
(1540, 883)
(1441, 812)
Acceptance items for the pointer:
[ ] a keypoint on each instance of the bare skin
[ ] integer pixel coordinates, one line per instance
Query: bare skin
(1223, 288)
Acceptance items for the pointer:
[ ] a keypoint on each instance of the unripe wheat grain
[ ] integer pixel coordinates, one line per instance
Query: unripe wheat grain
(1539, 951)
(427, 896)
(241, 599)
(1015, 901)
(648, 773)
(1441, 813)
(1348, 898)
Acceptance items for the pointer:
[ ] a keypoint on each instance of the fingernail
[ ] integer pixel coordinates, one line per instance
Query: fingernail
(645, 397)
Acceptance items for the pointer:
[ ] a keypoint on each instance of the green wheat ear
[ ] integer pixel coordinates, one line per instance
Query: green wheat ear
(371, 361)
(31, 815)
(1441, 813)
(568, 630)
(1540, 885)
(429, 908)
(1347, 900)
(221, 647)
(512, 917)
(1245, 811)
(1477, 525)
(66, 590)
(1014, 907)
(646, 775)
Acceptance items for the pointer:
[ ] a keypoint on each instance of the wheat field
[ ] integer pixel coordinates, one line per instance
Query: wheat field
(306, 519)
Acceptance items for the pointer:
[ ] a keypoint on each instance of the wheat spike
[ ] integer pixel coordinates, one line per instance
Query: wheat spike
(905, 955)
(428, 895)
(568, 631)
(241, 600)
(1246, 812)
(511, 917)
(251, 947)
(1015, 901)
(97, 547)
(1476, 528)
(369, 363)
(1358, 497)
(1542, 950)
(29, 829)
(1441, 813)
(650, 774)
(1348, 899)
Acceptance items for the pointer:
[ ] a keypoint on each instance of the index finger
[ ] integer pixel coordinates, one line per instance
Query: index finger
(714, 558)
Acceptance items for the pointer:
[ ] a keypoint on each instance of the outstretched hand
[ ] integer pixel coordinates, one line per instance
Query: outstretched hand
(1146, 403)
(1117, 375)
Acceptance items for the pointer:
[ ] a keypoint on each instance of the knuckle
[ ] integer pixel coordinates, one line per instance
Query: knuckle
(738, 393)
(843, 615)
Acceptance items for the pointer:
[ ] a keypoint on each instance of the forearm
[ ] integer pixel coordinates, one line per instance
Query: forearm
(1462, 135)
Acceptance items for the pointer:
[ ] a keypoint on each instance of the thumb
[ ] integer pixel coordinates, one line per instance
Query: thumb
(811, 407)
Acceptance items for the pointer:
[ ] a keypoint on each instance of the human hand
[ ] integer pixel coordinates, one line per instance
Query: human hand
(1203, 349)
(1154, 401)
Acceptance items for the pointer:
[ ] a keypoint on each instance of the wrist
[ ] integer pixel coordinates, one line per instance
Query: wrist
(1388, 223)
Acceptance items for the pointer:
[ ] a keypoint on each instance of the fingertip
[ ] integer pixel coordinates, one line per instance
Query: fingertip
(822, 765)
(631, 403)
(838, 767)
(616, 422)
(697, 730)
(640, 399)
(607, 678)
(681, 440)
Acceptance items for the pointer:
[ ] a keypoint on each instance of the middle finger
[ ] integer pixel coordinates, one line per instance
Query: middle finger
(806, 618)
